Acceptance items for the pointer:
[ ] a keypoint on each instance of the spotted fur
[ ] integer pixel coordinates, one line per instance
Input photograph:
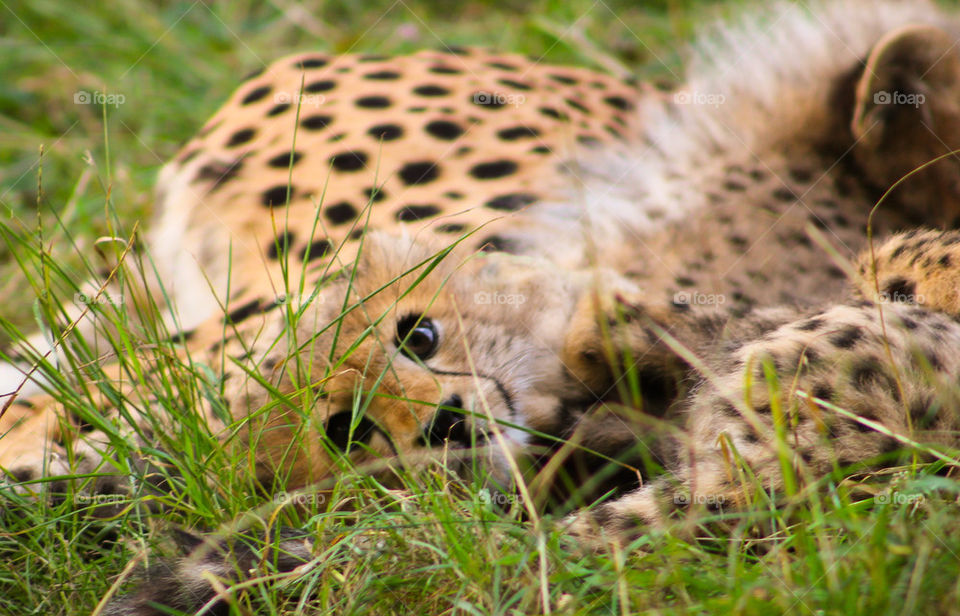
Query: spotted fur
(708, 242)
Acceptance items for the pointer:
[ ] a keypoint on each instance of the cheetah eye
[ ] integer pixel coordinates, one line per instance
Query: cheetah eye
(417, 337)
(338, 430)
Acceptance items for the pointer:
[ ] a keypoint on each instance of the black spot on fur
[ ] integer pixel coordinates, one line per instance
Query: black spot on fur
(811, 325)
(934, 360)
(420, 172)
(283, 161)
(823, 392)
(618, 102)
(550, 112)
(280, 245)
(382, 76)
(494, 169)
(898, 251)
(243, 312)
(431, 90)
(315, 122)
(340, 213)
(276, 196)
(240, 137)
(256, 95)
(518, 132)
(510, 202)
(847, 337)
(613, 131)
(187, 156)
(320, 86)
(817, 222)
(576, 105)
(784, 194)
(800, 175)
(496, 243)
(278, 109)
(312, 62)
(564, 79)
(511, 83)
(316, 249)
(374, 194)
(411, 213)
(348, 161)
(451, 228)
(798, 237)
(219, 173)
(387, 132)
(724, 407)
(373, 102)
(442, 129)
(866, 372)
(444, 70)
(899, 290)
(738, 241)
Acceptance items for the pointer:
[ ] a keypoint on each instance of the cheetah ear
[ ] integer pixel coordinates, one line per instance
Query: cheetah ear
(907, 113)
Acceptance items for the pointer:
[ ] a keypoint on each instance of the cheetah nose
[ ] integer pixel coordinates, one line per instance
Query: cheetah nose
(448, 424)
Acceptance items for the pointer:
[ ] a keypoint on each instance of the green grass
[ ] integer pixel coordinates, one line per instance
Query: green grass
(437, 545)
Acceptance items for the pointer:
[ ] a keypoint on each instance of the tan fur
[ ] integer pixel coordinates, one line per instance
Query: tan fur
(919, 267)
(666, 238)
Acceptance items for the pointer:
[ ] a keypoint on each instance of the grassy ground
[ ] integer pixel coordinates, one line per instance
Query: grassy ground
(440, 546)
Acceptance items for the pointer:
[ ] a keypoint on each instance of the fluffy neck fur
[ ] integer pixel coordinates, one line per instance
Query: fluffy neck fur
(754, 88)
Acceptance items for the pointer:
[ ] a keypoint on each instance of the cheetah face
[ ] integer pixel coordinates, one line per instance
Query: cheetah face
(410, 356)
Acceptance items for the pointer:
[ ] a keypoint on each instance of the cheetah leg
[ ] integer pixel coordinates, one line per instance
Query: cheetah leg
(715, 484)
